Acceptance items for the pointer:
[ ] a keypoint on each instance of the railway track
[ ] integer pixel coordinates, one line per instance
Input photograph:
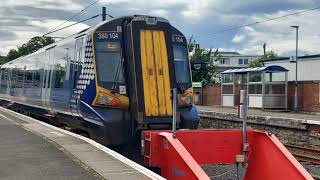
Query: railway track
(305, 154)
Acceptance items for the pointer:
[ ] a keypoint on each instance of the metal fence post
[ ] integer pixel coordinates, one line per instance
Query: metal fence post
(174, 118)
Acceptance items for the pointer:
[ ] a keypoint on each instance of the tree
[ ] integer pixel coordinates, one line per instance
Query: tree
(198, 54)
(13, 54)
(3, 59)
(268, 55)
(31, 46)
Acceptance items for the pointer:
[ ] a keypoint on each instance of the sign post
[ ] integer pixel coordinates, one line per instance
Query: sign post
(199, 85)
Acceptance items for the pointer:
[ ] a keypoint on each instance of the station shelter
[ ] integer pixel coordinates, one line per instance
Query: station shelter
(266, 87)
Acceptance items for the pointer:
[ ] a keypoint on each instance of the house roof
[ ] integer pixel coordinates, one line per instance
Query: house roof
(273, 68)
(227, 52)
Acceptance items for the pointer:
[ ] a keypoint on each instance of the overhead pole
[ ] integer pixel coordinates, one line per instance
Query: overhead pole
(104, 13)
(296, 80)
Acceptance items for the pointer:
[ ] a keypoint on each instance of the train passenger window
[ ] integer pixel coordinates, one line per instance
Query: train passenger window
(13, 78)
(19, 78)
(28, 79)
(108, 59)
(4, 76)
(36, 79)
(44, 78)
(60, 71)
(181, 64)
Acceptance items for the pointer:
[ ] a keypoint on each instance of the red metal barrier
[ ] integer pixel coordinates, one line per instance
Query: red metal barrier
(179, 158)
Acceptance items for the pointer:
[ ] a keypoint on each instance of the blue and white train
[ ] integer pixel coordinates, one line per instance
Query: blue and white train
(109, 81)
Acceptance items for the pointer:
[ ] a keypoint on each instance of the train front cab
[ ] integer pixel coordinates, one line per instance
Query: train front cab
(158, 61)
(144, 58)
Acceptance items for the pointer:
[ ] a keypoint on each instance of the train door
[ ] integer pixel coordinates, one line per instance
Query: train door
(75, 69)
(155, 73)
(152, 72)
(47, 78)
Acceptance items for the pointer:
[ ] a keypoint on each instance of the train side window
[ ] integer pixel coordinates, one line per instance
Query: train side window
(49, 78)
(13, 78)
(59, 75)
(77, 60)
(78, 50)
(75, 72)
(36, 79)
(28, 79)
(4, 76)
(44, 78)
(19, 78)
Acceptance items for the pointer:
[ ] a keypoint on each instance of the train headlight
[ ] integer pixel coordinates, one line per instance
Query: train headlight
(185, 100)
(106, 100)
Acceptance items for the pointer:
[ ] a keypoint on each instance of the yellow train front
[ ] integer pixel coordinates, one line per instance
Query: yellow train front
(149, 57)
(109, 81)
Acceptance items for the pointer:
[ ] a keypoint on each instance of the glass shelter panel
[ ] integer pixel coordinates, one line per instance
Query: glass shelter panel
(227, 89)
(275, 89)
(227, 78)
(255, 88)
(255, 77)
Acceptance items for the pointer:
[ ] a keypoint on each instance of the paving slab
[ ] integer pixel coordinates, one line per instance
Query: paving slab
(24, 156)
(54, 146)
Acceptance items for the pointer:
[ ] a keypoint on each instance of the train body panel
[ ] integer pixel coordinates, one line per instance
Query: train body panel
(110, 80)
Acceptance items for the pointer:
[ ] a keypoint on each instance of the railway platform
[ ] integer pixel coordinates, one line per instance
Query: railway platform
(31, 149)
(299, 129)
(307, 118)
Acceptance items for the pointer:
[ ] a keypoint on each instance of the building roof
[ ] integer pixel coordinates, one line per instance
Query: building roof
(273, 68)
(232, 54)
(287, 58)
(227, 52)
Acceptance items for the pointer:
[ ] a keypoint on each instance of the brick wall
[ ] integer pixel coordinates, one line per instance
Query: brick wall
(308, 96)
(212, 95)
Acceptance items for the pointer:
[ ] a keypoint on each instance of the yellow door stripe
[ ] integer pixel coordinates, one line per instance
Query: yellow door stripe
(165, 65)
(152, 74)
(144, 67)
(159, 73)
(155, 72)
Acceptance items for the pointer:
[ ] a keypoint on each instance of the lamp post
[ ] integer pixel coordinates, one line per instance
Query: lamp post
(296, 81)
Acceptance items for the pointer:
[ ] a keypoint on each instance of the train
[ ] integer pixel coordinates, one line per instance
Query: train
(109, 81)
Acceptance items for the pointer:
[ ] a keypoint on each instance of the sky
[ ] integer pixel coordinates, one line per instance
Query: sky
(205, 20)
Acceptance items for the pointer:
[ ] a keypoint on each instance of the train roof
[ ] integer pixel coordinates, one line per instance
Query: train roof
(78, 34)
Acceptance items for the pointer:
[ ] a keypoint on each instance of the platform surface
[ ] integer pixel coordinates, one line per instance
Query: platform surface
(31, 149)
(308, 118)
(24, 155)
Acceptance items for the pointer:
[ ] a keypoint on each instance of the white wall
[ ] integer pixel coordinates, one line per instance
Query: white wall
(234, 61)
(308, 69)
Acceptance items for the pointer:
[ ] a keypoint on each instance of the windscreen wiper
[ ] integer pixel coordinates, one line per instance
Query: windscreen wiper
(116, 77)
(180, 83)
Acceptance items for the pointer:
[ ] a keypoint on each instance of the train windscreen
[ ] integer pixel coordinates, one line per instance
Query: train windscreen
(108, 59)
(181, 64)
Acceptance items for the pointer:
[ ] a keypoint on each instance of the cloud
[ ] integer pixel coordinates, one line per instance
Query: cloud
(160, 13)
(238, 38)
(201, 18)
(10, 40)
(44, 4)
(278, 34)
